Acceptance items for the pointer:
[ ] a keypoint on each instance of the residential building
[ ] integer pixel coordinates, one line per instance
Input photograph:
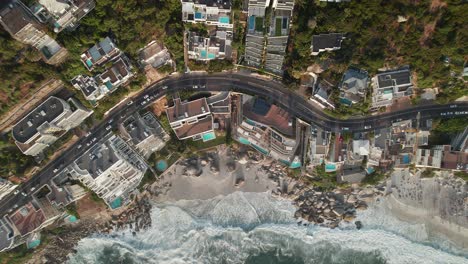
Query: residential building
(211, 12)
(361, 147)
(118, 74)
(30, 218)
(47, 123)
(319, 144)
(270, 130)
(111, 169)
(62, 192)
(62, 14)
(191, 119)
(20, 23)
(277, 39)
(255, 38)
(100, 53)
(220, 107)
(6, 187)
(6, 234)
(145, 133)
(326, 42)
(391, 85)
(154, 55)
(216, 46)
(90, 88)
(353, 86)
(322, 94)
(429, 157)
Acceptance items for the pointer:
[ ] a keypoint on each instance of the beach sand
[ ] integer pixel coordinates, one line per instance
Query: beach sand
(230, 175)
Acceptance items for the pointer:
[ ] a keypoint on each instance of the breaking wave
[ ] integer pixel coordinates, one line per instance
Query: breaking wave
(256, 228)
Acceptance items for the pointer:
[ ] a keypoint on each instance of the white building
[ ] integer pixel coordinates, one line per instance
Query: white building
(391, 85)
(111, 169)
(6, 187)
(217, 13)
(47, 123)
(191, 119)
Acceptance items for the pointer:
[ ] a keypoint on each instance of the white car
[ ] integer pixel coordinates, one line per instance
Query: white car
(16, 192)
(32, 189)
(130, 102)
(55, 170)
(146, 96)
(79, 146)
(367, 127)
(108, 128)
(164, 87)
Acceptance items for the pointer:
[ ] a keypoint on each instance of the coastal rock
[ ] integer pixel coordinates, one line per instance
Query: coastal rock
(358, 224)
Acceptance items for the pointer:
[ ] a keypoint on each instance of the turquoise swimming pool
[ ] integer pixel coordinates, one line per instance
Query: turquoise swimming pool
(203, 54)
(224, 20)
(89, 63)
(72, 219)
(244, 141)
(34, 243)
(116, 203)
(211, 56)
(161, 165)
(295, 165)
(330, 167)
(208, 136)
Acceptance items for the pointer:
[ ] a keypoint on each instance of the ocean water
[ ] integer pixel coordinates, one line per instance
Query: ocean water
(254, 228)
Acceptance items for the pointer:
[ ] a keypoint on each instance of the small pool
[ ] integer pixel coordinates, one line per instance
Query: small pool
(330, 167)
(263, 151)
(211, 56)
(370, 170)
(295, 165)
(89, 63)
(34, 243)
(72, 219)
(208, 136)
(251, 22)
(161, 165)
(224, 20)
(203, 54)
(108, 85)
(116, 203)
(198, 15)
(244, 141)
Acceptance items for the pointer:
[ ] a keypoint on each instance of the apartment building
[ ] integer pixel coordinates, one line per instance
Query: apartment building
(145, 133)
(47, 123)
(191, 119)
(215, 46)
(6, 187)
(100, 53)
(210, 12)
(90, 88)
(17, 20)
(322, 94)
(326, 42)
(277, 38)
(270, 130)
(6, 234)
(62, 14)
(111, 169)
(255, 38)
(391, 85)
(353, 86)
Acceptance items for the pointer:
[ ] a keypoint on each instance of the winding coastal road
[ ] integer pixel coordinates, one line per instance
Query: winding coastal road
(273, 91)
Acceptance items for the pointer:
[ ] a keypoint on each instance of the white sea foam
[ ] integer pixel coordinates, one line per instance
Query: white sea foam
(232, 228)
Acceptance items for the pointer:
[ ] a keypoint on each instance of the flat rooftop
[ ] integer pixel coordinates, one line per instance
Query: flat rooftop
(271, 115)
(326, 41)
(181, 110)
(97, 159)
(14, 17)
(189, 130)
(392, 78)
(141, 127)
(45, 112)
(224, 4)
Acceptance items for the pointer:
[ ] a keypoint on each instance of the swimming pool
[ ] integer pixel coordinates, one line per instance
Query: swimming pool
(224, 20)
(244, 141)
(330, 167)
(116, 203)
(161, 165)
(208, 136)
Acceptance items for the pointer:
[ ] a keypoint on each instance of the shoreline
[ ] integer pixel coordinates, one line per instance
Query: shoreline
(456, 234)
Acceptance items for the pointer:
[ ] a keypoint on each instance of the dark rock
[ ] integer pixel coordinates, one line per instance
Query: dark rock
(358, 224)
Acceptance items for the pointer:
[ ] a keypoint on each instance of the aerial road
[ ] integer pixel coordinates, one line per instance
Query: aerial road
(273, 91)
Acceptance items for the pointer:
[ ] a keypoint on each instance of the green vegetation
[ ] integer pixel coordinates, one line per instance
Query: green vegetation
(445, 129)
(322, 179)
(462, 174)
(375, 38)
(13, 162)
(148, 178)
(259, 24)
(211, 66)
(71, 210)
(18, 255)
(374, 178)
(428, 173)
(199, 144)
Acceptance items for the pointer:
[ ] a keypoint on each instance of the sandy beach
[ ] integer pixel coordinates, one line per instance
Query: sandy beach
(217, 172)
